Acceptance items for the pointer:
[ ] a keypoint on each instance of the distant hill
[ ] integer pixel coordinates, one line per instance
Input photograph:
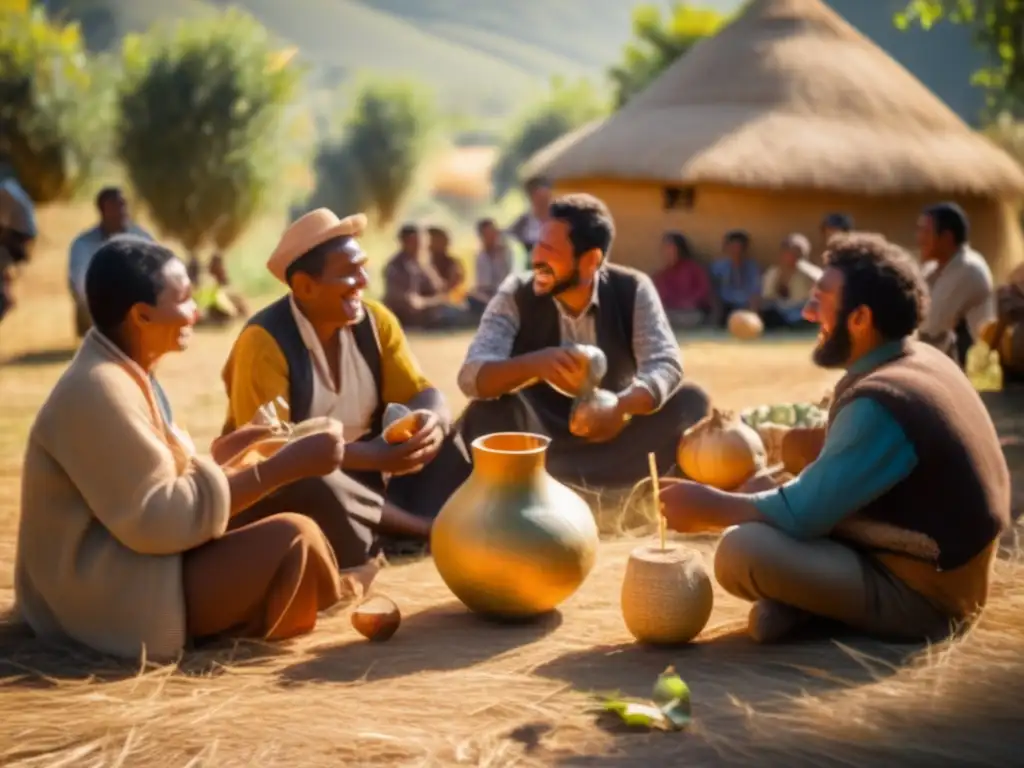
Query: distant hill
(482, 57)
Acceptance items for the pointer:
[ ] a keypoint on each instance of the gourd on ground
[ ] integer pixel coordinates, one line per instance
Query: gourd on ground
(721, 451)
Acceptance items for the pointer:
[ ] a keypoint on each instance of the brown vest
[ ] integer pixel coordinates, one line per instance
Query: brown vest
(540, 327)
(957, 498)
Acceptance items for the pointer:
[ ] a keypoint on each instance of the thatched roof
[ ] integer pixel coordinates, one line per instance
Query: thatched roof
(788, 95)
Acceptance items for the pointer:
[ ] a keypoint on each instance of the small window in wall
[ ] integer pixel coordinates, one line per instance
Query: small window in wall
(679, 198)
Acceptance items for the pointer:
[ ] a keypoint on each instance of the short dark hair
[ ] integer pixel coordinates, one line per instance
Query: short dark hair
(106, 194)
(839, 221)
(590, 223)
(537, 182)
(407, 229)
(950, 217)
(679, 240)
(313, 261)
(737, 236)
(484, 223)
(882, 276)
(126, 270)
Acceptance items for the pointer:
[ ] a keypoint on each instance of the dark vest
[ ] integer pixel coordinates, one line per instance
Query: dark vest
(958, 494)
(277, 320)
(539, 328)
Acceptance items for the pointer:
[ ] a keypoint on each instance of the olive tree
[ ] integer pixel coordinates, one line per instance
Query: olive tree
(204, 110)
(372, 164)
(53, 105)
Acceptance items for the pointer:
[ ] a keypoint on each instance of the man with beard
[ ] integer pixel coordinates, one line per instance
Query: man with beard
(893, 529)
(520, 364)
(322, 350)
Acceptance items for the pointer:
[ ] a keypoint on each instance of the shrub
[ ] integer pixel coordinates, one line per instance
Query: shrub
(204, 111)
(567, 107)
(372, 165)
(53, 105)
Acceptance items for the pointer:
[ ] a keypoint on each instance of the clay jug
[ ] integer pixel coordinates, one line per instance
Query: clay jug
(512, 542)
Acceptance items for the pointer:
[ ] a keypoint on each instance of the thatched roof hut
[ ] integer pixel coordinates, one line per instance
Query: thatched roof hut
(787, 114)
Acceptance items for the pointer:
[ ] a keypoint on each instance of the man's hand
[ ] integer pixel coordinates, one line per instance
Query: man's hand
(402, 458)
(600, 420)
(564, 369)
(691, 507)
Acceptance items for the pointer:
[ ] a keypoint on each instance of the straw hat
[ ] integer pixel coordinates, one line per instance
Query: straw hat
(306, 233)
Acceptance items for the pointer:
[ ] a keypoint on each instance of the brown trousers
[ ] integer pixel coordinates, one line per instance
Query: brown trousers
(348, 507)
(345, 511)
(267, 580)
(825, 578)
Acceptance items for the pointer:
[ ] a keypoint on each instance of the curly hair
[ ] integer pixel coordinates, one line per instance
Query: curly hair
(882, 276)
(590, 223)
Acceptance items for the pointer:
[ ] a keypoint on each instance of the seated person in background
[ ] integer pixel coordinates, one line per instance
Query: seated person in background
(448, 268)
(518, 365)
(736, 276)
(413, 291)
(115, 219)
(17, 234)
(787, 286)
(958, 277)
(325, 351)
(683, 283)
(1005, 334)
(835, 224)
(893, 530)
(493, 265)
(125, 541)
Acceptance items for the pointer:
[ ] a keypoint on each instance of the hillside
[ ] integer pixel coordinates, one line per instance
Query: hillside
(481, 57)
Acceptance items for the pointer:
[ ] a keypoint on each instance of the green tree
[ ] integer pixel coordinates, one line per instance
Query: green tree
(657, 42)
(53, 106)
(998, 28)
(204, 110)
(567, 107)
(372, 165)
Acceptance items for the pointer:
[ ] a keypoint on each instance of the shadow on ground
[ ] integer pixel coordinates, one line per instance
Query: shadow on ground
(729, 678)
(26, 661)
(434, 640)
(39, 357)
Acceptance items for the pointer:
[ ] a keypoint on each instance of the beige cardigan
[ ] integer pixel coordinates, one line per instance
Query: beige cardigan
(111, 498)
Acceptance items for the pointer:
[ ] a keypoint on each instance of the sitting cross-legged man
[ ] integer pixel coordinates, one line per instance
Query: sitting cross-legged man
(324, 351)
(519, 366)
(893, 529)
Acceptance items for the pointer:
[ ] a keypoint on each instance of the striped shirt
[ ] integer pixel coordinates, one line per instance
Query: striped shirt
(659, 361)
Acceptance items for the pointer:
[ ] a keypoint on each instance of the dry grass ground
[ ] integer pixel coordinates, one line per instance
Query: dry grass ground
(451, 690)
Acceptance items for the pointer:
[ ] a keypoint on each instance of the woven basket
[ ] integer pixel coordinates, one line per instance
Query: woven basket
(772, 436)
(666, 595)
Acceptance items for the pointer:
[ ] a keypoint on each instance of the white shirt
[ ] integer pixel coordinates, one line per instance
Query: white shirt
(962, 289)
(355, 399)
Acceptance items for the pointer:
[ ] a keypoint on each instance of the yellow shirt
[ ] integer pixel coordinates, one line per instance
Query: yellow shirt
(256, 373)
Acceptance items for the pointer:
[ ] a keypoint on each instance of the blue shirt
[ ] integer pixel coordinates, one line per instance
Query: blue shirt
(736, 286)
(866, 453)
(82, 250)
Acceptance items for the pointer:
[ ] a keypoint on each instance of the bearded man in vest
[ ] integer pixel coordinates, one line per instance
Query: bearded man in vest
(520, 361)
(893, 529)
(324, 350)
